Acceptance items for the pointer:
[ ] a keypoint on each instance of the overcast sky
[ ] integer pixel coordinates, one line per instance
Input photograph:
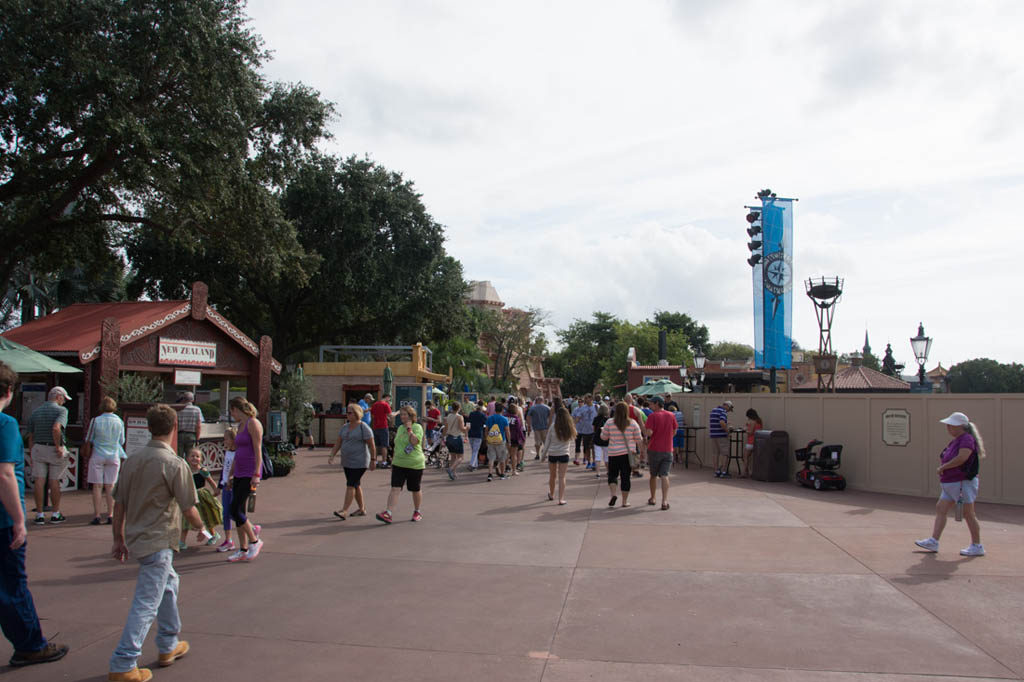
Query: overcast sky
(597, 156)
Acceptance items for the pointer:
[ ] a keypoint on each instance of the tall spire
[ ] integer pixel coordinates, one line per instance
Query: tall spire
(867, 346)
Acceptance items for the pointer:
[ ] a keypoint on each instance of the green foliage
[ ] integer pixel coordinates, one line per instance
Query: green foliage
(291, 393)
(871, 361)
(642, 336)
(730, 350)
(371, 266)
(983, 375)
(144, 122)
(136, 388)
(510, 336)
(464, 357)
(211, 411)
(283, 463)
(681, 322)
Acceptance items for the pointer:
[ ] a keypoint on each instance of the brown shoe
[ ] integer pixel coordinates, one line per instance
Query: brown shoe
(169, 658)
(50, 652)
(133, 675)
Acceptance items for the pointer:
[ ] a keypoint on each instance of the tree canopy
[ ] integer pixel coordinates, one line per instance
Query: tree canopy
(983, 375)
(120, 121)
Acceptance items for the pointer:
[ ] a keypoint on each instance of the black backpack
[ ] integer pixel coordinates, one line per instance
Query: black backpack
(971, 466)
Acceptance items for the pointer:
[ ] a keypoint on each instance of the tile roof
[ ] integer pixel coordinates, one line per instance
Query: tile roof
(857, 378)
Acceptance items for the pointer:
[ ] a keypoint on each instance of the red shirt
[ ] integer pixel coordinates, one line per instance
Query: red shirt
(379, 413)
(433, 418)
(662, 426)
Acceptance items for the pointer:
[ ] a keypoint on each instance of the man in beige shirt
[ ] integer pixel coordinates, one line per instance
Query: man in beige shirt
(153, 490)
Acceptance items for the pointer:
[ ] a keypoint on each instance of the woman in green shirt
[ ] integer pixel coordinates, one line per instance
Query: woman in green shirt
(407, 466)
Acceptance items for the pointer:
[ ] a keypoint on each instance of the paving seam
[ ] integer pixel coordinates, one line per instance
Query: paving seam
(568, 589)
(919, 604)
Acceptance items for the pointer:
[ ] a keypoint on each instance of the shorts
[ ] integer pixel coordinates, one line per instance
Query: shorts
(353, 476)
(454, 444)
(588, 442)
(559, 459)
(102, 470)
(679, 440)
(410, 478)
(497, 452)
(186, 441)
(46, 463)
(659, 462)
(517, 442)
(951, 491)
(721, 446)
(381, 438)
(538, 436)
(599, 455)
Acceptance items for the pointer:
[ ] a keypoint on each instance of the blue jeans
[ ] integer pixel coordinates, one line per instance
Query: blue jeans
(17, 611)
(156, 596)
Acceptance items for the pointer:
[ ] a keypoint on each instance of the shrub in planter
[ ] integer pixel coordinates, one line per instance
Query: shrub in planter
(211, 411)
(283, 464)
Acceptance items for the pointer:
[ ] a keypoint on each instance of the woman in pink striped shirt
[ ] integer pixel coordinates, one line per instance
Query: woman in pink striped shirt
(624, 437)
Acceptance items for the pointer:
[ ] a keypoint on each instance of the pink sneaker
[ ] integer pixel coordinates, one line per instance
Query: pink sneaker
(416, 516)
(226, 546)
(384, 517)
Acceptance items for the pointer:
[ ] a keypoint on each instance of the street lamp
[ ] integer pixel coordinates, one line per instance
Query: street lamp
(698, 364)
(922, 345)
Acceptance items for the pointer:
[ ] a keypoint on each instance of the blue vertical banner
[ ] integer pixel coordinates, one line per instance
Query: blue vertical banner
(776, 286)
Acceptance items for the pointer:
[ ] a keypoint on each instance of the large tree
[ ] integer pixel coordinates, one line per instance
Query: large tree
(372, 268)
(681, 322)
(730, 350)
(983, 375)
(585, 345)
(120, 120)
(510, 337)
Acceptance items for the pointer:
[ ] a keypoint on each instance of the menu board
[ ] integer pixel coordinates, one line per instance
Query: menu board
(137, 434)
(410, 395)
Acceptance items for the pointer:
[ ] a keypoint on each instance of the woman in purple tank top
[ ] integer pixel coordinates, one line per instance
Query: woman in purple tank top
(245, 474)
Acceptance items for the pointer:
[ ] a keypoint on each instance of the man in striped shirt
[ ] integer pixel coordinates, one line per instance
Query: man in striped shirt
(49, 457)
(719, 432)
(190, 425)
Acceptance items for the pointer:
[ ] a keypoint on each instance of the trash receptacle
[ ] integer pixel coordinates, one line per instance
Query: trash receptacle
(771, 456)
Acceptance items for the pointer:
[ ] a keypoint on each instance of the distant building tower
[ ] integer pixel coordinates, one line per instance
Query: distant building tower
(866, 351)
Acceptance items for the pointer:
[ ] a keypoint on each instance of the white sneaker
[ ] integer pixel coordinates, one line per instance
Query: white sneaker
(930, 544)
(254, 549)
(239, 556)
(973, 550)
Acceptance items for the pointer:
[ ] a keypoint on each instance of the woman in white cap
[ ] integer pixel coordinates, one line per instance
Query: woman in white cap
(958, 476)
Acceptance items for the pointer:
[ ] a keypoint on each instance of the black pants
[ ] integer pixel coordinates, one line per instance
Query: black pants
(240, 490)
(618, 467)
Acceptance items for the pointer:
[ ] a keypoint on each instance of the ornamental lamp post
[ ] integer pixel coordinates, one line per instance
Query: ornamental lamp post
(922, 346)
(698, 364)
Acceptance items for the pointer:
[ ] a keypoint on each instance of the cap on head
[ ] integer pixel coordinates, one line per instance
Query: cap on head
(728, 403)
(189, 396)
(58, 391)
(657, 400)
(956, 419)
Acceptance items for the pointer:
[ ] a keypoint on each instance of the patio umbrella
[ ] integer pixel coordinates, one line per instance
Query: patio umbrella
(24, 360)
(657, 388)
(387, 380)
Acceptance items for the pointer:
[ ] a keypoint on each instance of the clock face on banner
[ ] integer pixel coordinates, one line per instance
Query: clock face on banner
(778, 273)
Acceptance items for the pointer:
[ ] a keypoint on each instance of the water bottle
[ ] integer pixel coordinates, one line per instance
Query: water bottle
(959, 514)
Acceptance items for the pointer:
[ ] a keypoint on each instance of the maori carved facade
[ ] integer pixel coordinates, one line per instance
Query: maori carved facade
(230, 356)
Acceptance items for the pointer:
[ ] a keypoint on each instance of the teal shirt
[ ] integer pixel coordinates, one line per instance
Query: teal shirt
(413, 459)
(12, 450)
(40, 424)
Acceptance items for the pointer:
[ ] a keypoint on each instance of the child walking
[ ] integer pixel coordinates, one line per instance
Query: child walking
(209, 508)
(225, 488)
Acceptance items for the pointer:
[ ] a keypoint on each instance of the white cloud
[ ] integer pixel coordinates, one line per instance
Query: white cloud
(597, 156)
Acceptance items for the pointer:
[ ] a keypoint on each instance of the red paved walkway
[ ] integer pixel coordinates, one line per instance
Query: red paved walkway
(738, 581)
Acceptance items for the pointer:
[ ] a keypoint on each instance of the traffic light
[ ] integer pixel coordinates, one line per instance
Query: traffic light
(754, 218)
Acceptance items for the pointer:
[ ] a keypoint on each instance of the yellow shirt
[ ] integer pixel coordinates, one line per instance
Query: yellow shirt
(154, 486)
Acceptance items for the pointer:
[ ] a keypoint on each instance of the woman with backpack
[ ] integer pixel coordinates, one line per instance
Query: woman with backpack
(556, 448)
(958, 476)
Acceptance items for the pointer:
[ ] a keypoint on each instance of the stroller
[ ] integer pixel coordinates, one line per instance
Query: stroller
(436, 453)
(819, 470)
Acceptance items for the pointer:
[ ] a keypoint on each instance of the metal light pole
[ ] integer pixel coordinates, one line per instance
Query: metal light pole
(922, 346)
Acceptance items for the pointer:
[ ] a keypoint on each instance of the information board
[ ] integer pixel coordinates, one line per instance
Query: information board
(896, 427)
(137, 434)
(410, 395)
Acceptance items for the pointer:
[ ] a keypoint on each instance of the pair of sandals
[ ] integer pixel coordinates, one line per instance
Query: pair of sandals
(551, 498)
(653, 502)
(357, 512)
(611, 502)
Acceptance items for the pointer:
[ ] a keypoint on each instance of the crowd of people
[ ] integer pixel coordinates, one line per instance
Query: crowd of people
(153, 498)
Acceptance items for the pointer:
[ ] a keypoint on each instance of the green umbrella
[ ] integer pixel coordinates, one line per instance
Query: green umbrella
(386, 381)
(658, 387)
(24, 360)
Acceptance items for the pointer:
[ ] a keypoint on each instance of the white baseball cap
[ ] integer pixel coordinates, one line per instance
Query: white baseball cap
(956, 419)
(58, 390)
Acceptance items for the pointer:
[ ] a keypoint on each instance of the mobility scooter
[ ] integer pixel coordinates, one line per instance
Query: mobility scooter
(820, 467)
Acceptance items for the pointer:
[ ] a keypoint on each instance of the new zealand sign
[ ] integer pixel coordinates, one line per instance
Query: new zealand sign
(187, 353)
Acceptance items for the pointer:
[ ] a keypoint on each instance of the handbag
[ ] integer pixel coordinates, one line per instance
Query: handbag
(632, 459)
